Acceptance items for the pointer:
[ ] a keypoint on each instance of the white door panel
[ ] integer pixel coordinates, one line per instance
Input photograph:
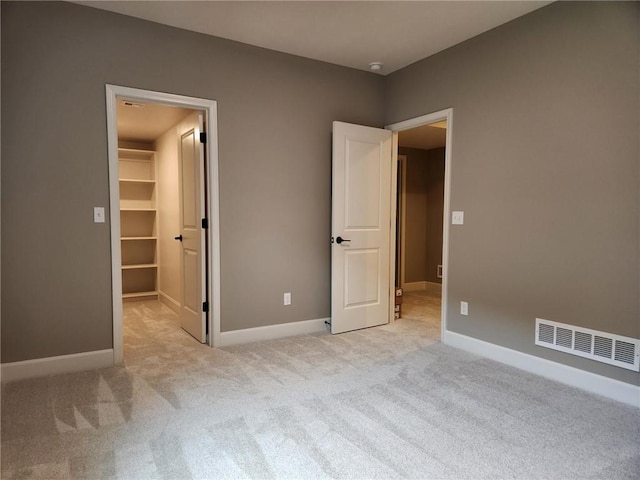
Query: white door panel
(361, 214)
(361, 275)
(192, 210)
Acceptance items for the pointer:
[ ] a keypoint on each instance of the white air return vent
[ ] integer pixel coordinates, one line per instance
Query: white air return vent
(600, 346)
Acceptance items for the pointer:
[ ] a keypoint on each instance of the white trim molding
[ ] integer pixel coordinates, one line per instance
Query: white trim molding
(422, 285)
(591, 382)
(113, 93)
(414, 286)
(169, 302)
(272, 332)
(446, 114)
(41, 367)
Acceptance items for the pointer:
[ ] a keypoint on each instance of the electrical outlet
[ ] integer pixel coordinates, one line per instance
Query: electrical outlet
(98, 214)
(464, 308)
(287, 298)
(457, 218)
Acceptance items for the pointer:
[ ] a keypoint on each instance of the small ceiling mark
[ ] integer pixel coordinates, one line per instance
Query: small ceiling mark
(128, 103)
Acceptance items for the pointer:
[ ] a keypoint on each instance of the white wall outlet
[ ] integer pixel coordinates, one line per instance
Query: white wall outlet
(98, 214)
(287, 298)
(464, 308)
(457, 218)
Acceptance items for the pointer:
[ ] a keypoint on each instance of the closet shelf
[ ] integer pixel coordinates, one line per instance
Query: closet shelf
(140, 294)
(136, 180)
(141, 151)
(138, 238)
(139, 235)
(139, 265)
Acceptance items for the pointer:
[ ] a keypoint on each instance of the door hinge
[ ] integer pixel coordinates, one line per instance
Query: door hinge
(205, 223)
(203, 137)
(205, 307)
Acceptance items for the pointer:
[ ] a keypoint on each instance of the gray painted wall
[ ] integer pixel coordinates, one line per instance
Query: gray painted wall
(434, 198)
(545, 166)
(545, 162)
(274, 112)
(424, 191)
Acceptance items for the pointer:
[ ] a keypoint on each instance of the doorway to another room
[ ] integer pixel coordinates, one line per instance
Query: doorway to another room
(155, 147)
(373, 204)
(163, 200)
(420, 225)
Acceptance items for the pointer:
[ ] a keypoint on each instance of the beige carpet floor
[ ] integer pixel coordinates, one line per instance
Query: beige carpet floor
(423, 305)
(386, 402)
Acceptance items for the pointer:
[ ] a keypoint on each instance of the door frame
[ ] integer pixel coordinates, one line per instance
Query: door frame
(209, 107)
(446, 114)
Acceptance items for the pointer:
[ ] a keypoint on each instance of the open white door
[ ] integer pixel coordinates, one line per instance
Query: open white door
(192, 234)
(361, 215)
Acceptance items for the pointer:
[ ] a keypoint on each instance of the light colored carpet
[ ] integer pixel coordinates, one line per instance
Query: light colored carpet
(423, 305)
(387, 402)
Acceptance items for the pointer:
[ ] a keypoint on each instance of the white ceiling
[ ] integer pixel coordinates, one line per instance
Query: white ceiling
(425, 137)
(144, 122)
(348, 33)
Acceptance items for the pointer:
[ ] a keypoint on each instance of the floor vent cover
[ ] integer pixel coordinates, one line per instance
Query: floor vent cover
(603, 347)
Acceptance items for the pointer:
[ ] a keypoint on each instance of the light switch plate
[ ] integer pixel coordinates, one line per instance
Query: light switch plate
(457, 218)
(98, 214)
(464, 308)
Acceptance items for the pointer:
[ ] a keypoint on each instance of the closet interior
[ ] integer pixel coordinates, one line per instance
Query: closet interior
(148, 171)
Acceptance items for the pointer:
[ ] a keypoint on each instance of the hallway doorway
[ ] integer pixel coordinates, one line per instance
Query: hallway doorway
(421, 221)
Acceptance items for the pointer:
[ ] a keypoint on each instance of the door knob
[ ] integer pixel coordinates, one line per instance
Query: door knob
(178, 238)
(339, 240)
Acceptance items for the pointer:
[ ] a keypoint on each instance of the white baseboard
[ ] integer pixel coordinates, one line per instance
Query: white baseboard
(414, 286)
(272, 332)
(169, 302)
(591, 382)
(41, 367)
(417, 286)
